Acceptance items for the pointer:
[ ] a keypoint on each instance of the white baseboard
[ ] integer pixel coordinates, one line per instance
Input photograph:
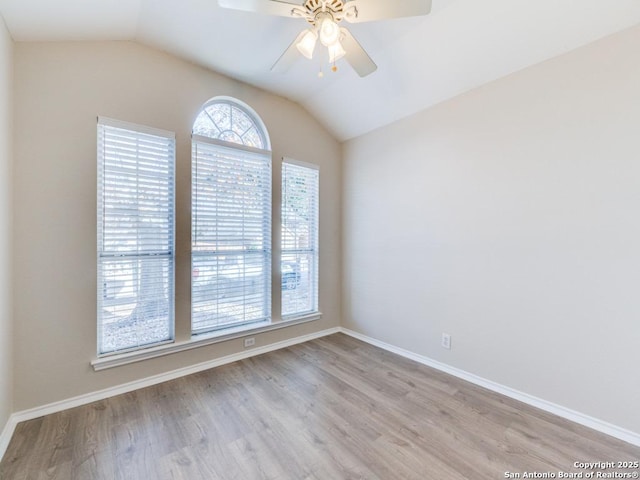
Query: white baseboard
(5, 436)
(572, 415)
(37, 412)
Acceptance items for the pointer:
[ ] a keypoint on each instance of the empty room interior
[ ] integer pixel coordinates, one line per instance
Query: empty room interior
(339, 239)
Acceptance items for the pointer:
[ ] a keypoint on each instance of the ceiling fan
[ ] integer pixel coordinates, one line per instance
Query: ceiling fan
(324, 17)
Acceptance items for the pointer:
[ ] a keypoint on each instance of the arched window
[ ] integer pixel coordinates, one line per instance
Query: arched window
(231, 218)
(226, 119)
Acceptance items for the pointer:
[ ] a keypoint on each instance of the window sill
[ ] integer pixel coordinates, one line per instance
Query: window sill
(198, 341)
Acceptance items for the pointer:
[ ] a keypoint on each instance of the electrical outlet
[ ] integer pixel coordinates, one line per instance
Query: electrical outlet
(249, 342)
(446, 341)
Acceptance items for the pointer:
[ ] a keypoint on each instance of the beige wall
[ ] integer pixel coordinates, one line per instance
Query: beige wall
(508, 218)
(6, 344)
(60, 89)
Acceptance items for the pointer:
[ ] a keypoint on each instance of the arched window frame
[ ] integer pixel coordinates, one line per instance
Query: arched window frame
(238, 106)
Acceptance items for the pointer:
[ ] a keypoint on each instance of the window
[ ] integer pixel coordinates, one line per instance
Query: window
(231, 218)
(299, 265)
(135, 236)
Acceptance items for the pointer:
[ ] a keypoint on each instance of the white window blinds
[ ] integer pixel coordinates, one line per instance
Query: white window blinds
(135, 236)
(231, 235)
(299, 265)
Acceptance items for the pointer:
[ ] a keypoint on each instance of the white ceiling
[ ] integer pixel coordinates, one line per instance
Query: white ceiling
(421, 61)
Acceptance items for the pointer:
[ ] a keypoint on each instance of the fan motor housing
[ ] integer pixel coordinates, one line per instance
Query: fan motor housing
(314, 7)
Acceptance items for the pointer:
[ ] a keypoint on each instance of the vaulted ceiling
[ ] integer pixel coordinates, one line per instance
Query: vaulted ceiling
(422, 61)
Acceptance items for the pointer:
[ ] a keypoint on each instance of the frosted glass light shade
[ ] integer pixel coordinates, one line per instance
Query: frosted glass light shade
(329, 32)
(336, 52)
(307, 44)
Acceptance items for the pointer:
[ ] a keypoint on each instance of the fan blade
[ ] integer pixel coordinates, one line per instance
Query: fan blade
(289, 57)
(267, 7)
(356, 56)
(371, 10)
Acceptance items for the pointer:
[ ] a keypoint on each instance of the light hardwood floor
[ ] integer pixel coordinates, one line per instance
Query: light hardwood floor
(333, 408)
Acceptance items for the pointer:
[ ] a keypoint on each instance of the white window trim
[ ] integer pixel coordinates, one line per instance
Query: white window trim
(145, 129)
(300, 163)
(109, 361)
(197, 341)
(222, 143)
(112, 122)
(199, 139)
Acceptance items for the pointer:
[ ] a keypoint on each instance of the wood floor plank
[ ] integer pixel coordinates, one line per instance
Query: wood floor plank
(333, 408)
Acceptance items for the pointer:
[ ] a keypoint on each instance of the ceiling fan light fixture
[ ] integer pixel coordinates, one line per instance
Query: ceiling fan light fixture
(325, 16)
(307, 43)
(336, 52)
